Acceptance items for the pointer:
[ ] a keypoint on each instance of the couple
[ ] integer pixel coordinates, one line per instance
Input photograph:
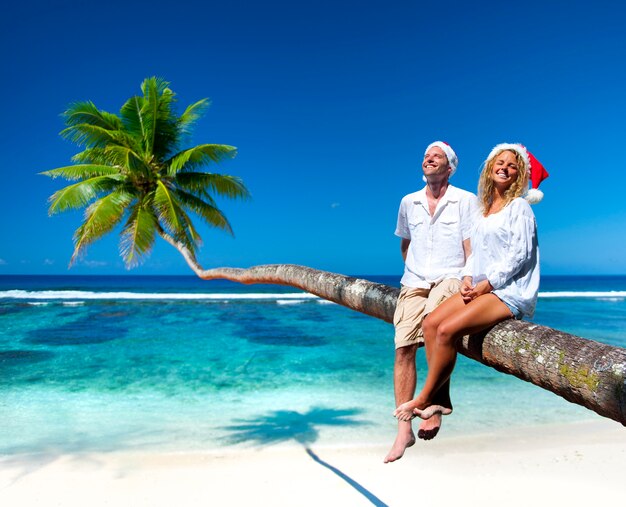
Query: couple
(469, 264)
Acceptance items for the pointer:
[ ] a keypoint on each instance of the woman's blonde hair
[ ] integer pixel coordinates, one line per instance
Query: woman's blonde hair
(486, 188)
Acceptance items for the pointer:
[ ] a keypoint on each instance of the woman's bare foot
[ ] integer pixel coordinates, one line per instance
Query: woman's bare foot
(430, 411)
(430, 427)
(405, 412)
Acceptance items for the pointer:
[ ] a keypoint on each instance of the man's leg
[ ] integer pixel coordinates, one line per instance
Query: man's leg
(408, 324)
(404, 382)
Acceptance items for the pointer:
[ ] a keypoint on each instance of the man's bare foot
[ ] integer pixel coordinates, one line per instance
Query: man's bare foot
(401, 444)
(405, 412)
(430, 427)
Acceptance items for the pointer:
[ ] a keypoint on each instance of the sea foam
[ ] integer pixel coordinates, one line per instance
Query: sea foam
(584, 294)
(83, 295)
(281, 297)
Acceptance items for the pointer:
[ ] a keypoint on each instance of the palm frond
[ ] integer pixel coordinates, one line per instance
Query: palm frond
(128, 159)
(113, 155)
(203, 195)
(160, 122)
(154, 85)
(87, 113)
(168, 208)
(173, 218)
(81, 171)
(80, 194)
(100, 218)
(208, 212)
(132, 118)
(191, 115)
(91, 156)
(138, 234)
(94, 136)
(200, 155)
(203, 184)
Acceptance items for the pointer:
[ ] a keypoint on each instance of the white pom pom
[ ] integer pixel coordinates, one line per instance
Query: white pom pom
(533, 196)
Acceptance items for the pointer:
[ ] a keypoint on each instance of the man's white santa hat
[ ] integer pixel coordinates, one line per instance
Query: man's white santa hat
(453, 160)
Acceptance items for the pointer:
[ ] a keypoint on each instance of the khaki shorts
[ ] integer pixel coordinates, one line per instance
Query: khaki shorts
(414, 304)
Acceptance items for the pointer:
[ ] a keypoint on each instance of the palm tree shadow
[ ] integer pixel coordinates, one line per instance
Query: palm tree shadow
(285, 425)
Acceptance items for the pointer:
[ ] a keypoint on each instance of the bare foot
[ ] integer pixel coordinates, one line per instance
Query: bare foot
(430, 427)
(402, 443)
(430, 411)
(405, 412)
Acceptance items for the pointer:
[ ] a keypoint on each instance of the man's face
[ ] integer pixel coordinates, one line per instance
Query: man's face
(435, 162)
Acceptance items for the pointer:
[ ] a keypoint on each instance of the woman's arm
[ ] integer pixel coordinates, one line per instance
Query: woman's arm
(520, 249)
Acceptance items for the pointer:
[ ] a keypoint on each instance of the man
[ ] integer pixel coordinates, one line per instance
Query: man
(434, 226)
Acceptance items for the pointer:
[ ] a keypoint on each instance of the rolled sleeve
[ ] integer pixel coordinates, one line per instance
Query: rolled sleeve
(402, 227)
(468, 268)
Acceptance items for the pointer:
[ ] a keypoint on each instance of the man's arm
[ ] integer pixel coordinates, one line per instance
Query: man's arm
(467, 248)
(469, 214)
(404, 247)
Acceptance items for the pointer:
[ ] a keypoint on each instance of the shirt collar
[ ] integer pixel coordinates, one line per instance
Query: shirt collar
(451, 195)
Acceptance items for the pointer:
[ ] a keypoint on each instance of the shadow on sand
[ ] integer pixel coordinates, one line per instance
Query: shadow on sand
(285, 425)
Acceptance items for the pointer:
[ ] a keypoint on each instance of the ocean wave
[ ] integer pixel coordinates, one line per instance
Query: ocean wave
(281, 298)
(86, 295)
(610, 295)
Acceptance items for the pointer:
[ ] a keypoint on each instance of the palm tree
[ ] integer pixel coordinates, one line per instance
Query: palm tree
(133, 171)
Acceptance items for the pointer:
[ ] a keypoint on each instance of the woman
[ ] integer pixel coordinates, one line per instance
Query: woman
(501, 275)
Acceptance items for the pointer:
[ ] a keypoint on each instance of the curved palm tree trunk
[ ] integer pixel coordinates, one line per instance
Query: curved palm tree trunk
(582, 371)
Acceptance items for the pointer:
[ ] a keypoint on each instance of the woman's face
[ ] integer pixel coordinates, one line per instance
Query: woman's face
(505, 169)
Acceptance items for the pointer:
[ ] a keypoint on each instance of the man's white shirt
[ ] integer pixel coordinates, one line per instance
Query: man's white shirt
(436, 248)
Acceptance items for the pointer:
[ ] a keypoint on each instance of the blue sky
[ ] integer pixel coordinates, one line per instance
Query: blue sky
(330, 105)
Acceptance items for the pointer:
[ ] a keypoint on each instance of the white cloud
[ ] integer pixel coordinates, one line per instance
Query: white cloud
(48, 262)
(3, 262)
(335, 205)
(94, 264)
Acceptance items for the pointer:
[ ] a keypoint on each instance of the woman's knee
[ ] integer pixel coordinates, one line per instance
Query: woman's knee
(446, 334)
(429, 326)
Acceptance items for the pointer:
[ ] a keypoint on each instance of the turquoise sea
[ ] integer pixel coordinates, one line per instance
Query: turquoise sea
(175, 363)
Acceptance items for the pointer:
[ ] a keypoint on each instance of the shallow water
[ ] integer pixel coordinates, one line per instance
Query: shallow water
(175, 363)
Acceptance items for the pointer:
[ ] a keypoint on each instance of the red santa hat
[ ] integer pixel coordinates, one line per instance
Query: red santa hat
(537, 173)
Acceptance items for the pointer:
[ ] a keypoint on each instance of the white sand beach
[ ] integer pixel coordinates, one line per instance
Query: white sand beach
(570, 464)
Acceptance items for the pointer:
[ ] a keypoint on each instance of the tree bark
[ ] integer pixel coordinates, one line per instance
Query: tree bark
(582, 371)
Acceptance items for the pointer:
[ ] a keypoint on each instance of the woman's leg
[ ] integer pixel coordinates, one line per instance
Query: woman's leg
(429, 428)
(477, 315)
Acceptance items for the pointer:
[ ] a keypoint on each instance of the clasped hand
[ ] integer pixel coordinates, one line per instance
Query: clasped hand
(469, 292)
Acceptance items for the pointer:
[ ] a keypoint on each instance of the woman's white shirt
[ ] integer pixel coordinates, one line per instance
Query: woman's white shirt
(505, 251)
